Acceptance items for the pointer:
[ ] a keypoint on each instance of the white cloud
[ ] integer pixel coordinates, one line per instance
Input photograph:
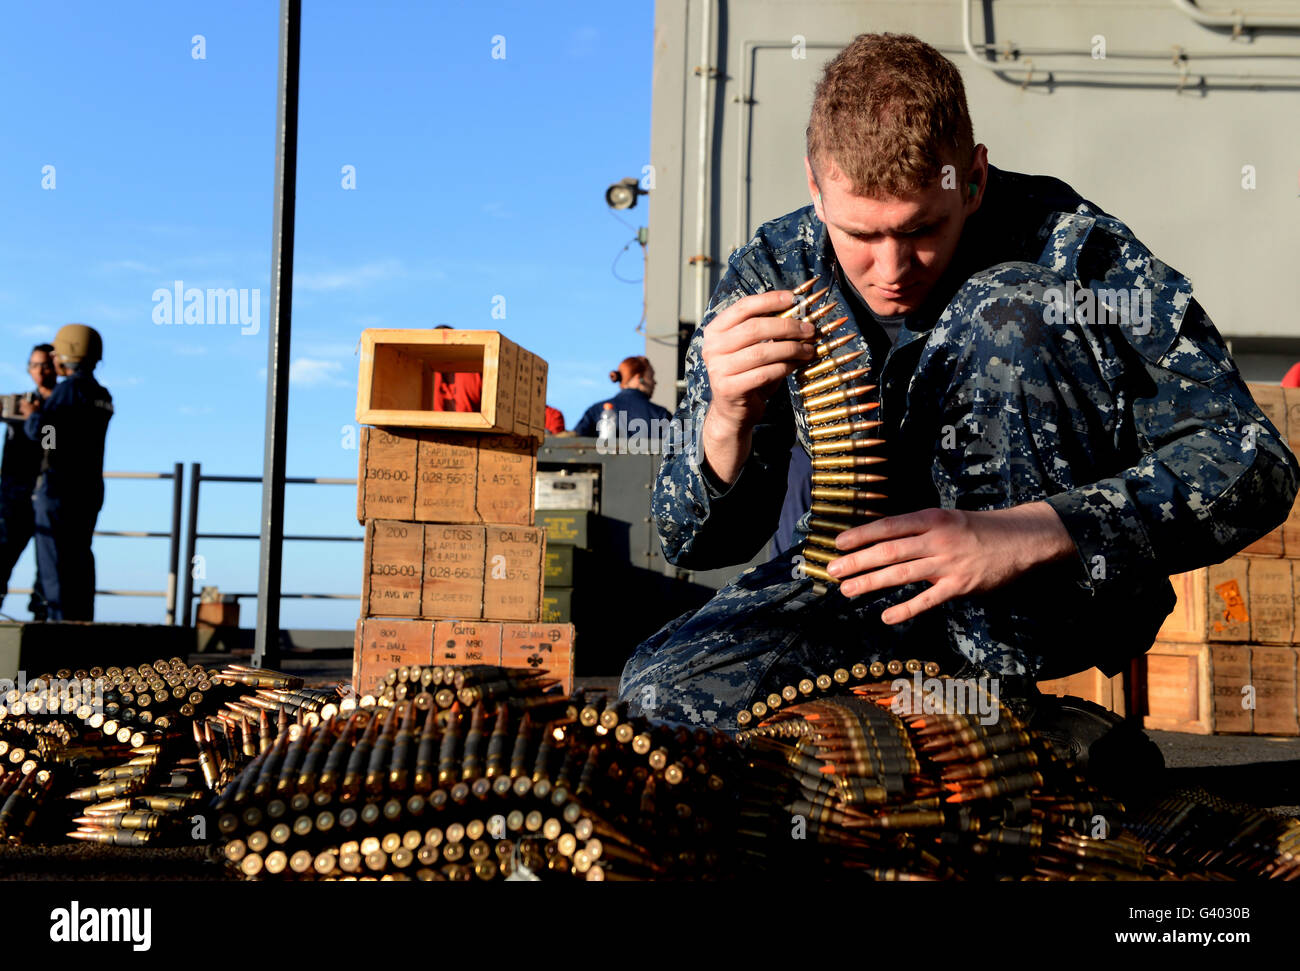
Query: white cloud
(351, 279)
(38, 331)
(314, 373)
(129, 266)
(194, 411)
(497, 210)
(190, 350)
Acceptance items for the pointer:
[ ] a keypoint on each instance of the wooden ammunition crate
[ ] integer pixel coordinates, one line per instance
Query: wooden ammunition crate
(1178, 694)
(1273, 674)
(1091, 685)
(1212, 605)
(1247, 600)
(1230, 686)
(1281, 406)
(395, 386)
(466, 572)
(384, 643)
(445, 477)
(1222, 688)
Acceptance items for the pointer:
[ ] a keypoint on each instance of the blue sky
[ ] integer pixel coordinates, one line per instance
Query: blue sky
(475, 177)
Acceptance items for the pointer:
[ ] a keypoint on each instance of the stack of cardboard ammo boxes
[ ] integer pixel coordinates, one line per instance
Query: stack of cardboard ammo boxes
(453, 561)
(1225, 660)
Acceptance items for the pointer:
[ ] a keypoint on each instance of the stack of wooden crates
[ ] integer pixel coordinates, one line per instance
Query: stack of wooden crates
(453, 561)
(1225, 660)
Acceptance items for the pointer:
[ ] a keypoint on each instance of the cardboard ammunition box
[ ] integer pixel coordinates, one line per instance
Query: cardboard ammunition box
(1272, 601)
(566, 490)
(383, 644)
(442, 477)
(542, 647)
(557, 605)
(1213, 604)
(1091, 685)
(396, 381)
(561, 565)
(1273, 673)
(464, 572)
(1178, 693)
(1230, 678)
(566, 527)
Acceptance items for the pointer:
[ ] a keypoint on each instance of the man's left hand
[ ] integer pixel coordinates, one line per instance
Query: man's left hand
(26, 408)
(960, 552)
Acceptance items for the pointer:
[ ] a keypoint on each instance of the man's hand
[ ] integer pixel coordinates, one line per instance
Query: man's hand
(27, 408)
(959, 552)
(748, 352)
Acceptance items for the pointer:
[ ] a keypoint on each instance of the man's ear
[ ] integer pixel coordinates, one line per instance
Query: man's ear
(814, 192)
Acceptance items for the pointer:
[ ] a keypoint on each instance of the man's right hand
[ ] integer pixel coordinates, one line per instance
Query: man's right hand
(748, 351)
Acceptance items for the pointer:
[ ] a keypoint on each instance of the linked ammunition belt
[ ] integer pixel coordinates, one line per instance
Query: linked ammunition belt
(888, 771)
(833, 405)
(481, 774)
(130, 756)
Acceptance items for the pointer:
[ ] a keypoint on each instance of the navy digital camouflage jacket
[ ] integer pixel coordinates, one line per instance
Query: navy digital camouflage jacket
(1199, 471)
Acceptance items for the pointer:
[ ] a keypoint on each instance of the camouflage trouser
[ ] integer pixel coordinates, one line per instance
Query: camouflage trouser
(998, 391)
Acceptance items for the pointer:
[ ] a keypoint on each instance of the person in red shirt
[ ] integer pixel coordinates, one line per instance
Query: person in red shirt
(554, 420)
(1292, 378)
(456, 390)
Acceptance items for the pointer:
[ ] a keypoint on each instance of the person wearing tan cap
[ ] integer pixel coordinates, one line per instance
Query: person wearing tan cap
(70, 427)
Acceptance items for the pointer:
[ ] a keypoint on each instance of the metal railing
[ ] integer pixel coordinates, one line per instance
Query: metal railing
(174, 553)
(197, 478)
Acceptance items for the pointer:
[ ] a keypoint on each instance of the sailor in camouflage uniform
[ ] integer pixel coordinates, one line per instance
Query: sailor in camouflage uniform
(1052, 369)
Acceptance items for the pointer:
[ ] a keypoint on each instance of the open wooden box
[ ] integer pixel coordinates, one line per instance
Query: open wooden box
(396, 382)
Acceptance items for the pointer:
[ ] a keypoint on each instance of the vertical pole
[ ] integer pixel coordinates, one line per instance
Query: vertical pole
(174, 552)
(266, 646)
(191, 540)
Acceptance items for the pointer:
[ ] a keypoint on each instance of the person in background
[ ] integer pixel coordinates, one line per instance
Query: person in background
(457, 390)
(69, 428)
(554, 421)
(22, 463)
(636, 378)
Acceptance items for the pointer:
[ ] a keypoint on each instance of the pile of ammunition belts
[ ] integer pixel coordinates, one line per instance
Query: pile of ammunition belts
(1203, 833)
(131, 756)
(480, 773)
(843, 782)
